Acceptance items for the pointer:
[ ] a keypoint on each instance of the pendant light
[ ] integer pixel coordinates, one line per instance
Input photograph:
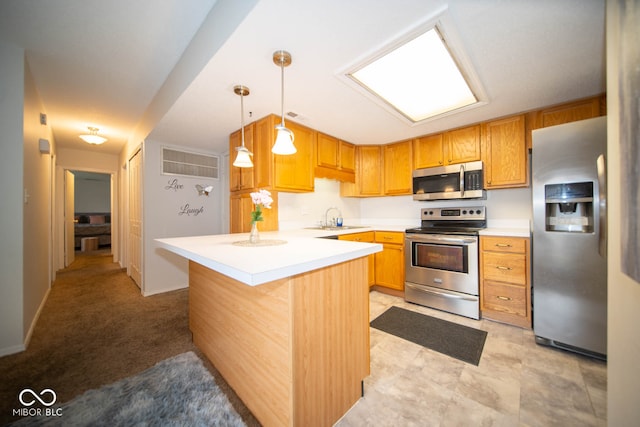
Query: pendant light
(243, 159)
(284, 137)
(92, 137)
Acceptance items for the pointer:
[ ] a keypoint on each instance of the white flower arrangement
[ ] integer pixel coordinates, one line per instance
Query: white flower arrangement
(261, 198)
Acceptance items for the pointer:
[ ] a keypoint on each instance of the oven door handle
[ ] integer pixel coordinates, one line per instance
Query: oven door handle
(441, 239)
(441, 294)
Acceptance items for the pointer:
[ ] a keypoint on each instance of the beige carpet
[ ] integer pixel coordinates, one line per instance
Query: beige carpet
(95, 329)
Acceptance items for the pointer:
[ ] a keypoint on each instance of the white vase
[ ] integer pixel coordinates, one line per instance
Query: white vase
(254, 235)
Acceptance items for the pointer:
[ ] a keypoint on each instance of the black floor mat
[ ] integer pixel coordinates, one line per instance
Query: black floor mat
(458, 341)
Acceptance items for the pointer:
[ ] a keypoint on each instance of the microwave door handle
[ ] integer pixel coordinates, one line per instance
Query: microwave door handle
(462, 180)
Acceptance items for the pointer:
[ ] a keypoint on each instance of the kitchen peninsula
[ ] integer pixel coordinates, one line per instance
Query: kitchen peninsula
(287, 325)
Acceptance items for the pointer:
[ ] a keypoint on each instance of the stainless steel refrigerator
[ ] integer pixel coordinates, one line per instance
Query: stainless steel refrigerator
(569, 236)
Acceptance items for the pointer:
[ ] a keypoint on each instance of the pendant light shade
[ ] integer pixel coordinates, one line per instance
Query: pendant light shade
(243, 158)
(284, 137)
(92, 137)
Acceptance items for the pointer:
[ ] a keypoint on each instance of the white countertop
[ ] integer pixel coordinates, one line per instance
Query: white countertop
(512, 228)
(255, 265)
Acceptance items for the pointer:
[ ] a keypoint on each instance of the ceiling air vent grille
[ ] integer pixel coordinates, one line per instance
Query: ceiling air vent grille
(177, 162)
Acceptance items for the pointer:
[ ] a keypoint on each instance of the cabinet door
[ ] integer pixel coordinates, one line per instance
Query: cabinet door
(462, 145)
(570, 112)
(327, 151)
(240, 208)
(347, 157)
(397, 168)
(240, 178)
(428, 151)
(505, 153)
(369, 174)
(295, 172)
(389, 266)
(264, 137)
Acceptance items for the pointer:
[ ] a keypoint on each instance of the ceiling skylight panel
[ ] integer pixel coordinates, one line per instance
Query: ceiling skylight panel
(420, 79)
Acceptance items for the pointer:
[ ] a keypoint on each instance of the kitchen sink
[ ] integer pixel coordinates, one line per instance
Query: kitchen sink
(336, 228)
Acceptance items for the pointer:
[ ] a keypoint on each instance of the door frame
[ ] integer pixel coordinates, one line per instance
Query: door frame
(59, 240)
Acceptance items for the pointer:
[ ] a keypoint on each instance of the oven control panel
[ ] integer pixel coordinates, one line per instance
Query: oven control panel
(453, 214)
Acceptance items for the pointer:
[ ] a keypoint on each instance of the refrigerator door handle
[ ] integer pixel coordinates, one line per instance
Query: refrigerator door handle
(602, 204)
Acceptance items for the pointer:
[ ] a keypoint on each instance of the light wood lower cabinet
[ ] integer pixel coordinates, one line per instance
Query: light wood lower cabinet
(389, 269)
(505, 280)
(240, 207)
(295, 350)
(366, 237)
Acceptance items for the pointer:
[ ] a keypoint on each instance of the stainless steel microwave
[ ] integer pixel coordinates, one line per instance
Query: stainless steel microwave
(461, 181)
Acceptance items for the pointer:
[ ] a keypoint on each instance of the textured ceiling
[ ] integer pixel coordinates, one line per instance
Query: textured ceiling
(106, 63)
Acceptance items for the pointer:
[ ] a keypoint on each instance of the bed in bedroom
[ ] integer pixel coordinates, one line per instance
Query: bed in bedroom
(93, 224)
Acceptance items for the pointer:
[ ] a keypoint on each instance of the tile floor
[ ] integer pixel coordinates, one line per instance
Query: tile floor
(517, 383)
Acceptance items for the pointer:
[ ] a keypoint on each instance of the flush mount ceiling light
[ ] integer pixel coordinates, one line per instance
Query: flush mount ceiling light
(92, 137)
(420, 78)
(243, 159)
(284, 137)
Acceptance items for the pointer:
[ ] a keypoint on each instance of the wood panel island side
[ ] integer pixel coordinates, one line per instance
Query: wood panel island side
(286, 325)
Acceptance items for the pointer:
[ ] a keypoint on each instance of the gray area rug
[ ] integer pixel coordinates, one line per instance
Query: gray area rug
(176, 392)
(458, 341)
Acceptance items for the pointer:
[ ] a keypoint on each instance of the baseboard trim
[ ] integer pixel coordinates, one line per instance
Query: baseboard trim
(34, 321)
(12, 350)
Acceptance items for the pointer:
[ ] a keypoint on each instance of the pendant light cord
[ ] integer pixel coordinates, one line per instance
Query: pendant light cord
(242, 113)
(282, 89)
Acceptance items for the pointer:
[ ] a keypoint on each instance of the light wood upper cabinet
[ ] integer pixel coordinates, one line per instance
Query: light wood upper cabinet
(368, 177)
(462, 145)
(335, 159)
(264, 136)
(294, 173)
(504, 153)
(241, 178)
(398, 168)
(428, 151)
(452, 147)
(347, 157)
(571, 112)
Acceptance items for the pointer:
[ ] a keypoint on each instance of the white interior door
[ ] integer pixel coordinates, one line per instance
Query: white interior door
(135, 219)
(69, 212)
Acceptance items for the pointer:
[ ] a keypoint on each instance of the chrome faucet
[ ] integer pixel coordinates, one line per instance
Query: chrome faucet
(333, 220)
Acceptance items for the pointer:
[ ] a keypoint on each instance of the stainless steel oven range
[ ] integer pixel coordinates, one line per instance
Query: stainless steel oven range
(441, 260)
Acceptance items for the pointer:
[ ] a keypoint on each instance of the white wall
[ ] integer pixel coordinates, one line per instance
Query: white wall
(306, 209)
(92, 194)
(173, 208)
(11, 208)
(623, 347)
(38, 209)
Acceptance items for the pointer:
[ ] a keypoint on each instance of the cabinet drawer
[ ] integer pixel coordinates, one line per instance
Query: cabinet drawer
(504, 267)
(366, 236)
(504, 298)
(389, 237)
(504, 244)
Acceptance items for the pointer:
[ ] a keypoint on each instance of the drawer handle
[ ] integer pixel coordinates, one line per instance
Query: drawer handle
(503, 245)
(500, 267)
(500, 297)
(388, 238)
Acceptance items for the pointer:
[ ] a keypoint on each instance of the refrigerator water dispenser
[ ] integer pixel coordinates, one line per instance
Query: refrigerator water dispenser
(569, 207)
